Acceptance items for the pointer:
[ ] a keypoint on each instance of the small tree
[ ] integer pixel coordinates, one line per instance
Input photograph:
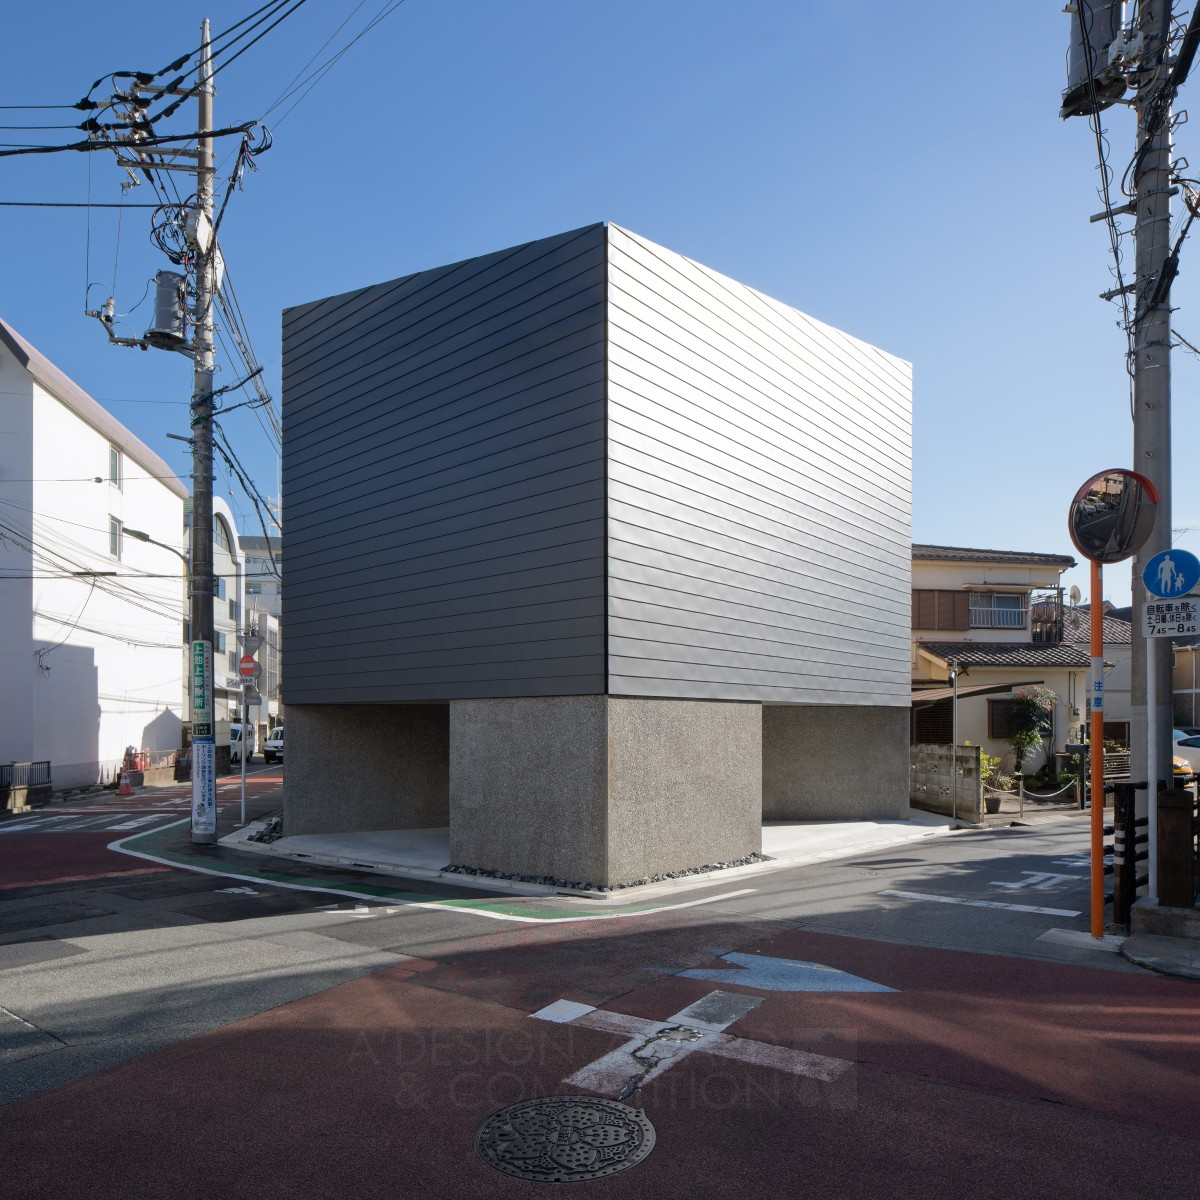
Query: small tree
(1028, 718)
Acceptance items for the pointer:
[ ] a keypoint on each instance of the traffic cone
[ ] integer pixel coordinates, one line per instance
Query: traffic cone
(125, 789)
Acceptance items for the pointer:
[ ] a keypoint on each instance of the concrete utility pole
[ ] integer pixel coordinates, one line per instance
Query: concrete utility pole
(203, 241)
(1151, 183)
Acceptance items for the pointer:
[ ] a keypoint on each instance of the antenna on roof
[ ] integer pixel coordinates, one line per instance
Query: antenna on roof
(1074, 595)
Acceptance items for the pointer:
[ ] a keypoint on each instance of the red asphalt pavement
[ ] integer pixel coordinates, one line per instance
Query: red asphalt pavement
(980, 1076)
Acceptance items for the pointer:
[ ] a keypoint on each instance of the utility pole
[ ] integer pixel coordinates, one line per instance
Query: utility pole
(203, 241)
(1151, 350)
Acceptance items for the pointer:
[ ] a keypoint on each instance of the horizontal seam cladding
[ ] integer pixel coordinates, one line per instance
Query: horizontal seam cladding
(490, 445)
(793, 349)
(842, 562)
(528, 362)
(811, 396)
(729, 293)
(498, 401)
(493, 327)
(385, 292)
(575, 458)
(714, 400)
(774, 491)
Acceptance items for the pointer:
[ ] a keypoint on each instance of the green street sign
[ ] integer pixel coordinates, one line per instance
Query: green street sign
(202, 689)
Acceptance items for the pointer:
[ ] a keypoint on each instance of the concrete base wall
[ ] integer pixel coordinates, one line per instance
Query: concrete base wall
(684, 786)
(366, 766)
(528, 779)
(599, 790)
(833, 762)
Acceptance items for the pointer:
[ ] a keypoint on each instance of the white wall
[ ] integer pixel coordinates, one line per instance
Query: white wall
(17, 668)
(110, 673)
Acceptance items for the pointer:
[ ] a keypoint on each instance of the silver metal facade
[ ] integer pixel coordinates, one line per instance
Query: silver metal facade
(759, 522)
(588, 464)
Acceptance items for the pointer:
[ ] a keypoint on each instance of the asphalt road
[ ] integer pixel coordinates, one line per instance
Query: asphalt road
(922, 1022)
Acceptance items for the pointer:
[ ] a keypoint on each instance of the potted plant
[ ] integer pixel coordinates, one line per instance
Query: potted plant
(994, 781)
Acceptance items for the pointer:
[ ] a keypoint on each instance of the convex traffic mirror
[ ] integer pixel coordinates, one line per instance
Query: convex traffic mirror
(1112, 515)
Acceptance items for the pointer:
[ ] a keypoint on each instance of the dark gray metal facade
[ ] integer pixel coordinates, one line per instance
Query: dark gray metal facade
(587, 464)
(443, 476)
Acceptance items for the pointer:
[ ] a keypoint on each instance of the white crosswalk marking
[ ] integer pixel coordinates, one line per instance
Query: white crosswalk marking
(136, 822)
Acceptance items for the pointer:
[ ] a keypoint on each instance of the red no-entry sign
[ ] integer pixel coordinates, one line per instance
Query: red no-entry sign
(247, 665)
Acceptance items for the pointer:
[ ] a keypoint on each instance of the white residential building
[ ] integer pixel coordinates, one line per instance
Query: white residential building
(264, 599)
(91, 618)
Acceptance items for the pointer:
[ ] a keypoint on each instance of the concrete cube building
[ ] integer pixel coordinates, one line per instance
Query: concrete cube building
(595, 556)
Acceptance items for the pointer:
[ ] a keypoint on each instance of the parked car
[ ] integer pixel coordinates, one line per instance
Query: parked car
(235, 743)
(1187, 748)
(273, 746)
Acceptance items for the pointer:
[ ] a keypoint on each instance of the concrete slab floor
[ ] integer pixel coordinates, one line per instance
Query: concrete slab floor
(424, 853)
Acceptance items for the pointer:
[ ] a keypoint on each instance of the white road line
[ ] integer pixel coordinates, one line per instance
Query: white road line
(438, 906)
(1026, 908)
(136, 822)
(648, 1054)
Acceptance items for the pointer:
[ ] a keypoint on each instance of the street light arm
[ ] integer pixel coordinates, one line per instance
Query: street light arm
(141, 536)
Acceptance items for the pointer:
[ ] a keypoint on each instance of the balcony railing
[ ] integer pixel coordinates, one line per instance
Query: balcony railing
(988, 616)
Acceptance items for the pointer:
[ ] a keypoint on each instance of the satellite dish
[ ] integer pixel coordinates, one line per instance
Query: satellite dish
(1074, 595)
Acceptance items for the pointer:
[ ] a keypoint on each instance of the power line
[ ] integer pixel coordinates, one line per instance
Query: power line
(69, 204)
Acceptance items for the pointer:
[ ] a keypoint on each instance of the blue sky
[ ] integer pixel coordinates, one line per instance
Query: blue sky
(898, 171)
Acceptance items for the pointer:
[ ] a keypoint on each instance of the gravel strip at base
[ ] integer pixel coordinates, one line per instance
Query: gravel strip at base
(550, 881)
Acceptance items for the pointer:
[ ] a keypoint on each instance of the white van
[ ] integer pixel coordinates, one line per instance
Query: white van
(273, 746)
(235, 743)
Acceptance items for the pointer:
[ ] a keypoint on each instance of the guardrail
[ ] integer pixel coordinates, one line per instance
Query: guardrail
(23, 784)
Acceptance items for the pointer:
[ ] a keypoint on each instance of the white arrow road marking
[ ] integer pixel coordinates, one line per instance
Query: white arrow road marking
(1026, 908)
(656, 1046)
(1038, 880)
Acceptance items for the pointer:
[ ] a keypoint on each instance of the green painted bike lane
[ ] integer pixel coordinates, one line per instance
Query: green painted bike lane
(171, 846)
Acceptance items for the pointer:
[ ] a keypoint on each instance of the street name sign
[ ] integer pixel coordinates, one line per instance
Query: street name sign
(1171, 573)
(1170, 618)
(201, 684)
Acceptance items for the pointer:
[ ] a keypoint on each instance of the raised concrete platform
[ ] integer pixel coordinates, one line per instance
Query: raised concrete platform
(423, 854)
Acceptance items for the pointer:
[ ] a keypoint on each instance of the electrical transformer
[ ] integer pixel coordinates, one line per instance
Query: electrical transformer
(1094, 76)
(169, 331)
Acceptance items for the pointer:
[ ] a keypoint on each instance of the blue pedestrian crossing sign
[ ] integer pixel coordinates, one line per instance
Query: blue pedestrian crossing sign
(1171, 573)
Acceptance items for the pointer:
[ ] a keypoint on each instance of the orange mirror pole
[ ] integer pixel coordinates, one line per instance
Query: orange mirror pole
(1096, 616)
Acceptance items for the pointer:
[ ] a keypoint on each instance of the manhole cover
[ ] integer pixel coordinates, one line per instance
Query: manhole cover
(564, 1138)
(680, 1033)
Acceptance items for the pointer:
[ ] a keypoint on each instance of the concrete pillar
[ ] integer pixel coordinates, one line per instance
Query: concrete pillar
(366, 766)
(592, 789)
(834, 763)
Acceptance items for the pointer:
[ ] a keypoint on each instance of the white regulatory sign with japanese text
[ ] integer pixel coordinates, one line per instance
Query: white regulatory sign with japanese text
(204, 787)
(1170, 618)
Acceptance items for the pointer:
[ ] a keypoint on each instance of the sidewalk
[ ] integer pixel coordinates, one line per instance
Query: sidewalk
(424, 854)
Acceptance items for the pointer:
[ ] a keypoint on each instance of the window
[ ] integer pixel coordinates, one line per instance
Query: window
(221, 535)
(998, 722)
(114, 537)
(233, 660)
(220, 585)
(998, 610)
(218, 641)
(234, 615)
(938, 609)
(114, 466)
